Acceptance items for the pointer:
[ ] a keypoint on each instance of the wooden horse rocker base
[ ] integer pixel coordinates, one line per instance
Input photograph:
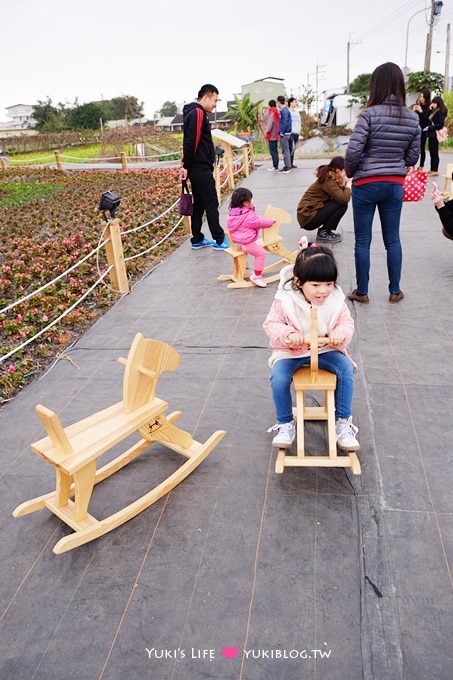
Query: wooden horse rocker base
(271, 241)
(74, 450)
(309, 379)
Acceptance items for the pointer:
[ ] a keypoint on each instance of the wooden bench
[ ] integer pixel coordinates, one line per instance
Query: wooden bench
(74, 450)
(271, 241)
(313, 379)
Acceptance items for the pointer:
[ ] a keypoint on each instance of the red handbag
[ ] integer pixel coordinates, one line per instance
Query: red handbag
(415, 185)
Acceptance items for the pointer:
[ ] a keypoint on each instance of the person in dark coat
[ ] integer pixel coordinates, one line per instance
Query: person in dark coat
(198, 165)
(385, 140)
(445, 211)
(422, 110)
(436, 121)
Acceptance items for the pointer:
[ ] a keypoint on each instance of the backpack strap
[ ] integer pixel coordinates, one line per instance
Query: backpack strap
(200, 116)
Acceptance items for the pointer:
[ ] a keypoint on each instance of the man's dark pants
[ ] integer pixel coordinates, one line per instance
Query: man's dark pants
(204, 199)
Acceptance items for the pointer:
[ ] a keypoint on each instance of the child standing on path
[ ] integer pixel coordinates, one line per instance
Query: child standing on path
(244, 224)
(311, 282)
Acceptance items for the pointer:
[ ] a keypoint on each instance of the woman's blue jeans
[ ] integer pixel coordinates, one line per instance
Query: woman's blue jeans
(387, 197)
(335, 362)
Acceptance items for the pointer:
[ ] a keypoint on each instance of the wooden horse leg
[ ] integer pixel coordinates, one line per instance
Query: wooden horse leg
(40, 502)
(104, 526)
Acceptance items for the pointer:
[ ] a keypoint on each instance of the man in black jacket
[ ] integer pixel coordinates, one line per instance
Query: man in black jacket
(198, 165)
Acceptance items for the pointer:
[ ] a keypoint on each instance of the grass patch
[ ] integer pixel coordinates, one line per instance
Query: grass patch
(73, 154)
(19, 193)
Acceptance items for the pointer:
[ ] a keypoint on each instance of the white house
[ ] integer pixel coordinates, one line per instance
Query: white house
(20, 117)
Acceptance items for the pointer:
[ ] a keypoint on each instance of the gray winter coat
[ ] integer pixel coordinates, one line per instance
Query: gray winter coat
(385, 139)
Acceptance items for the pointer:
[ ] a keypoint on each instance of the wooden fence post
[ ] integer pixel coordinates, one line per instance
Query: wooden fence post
(251, 156)
(58, 160)
(187, 225)
(245, 162)
(123, 161)
(115, 257)
(217, 181)
(229, 165)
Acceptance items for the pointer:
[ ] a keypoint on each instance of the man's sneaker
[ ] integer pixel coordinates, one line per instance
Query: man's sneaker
(258, 281)
(346, 434)
(285, 170)
(272, 169)
(222, 246)
(204, 243)
(286, 433)
(293, 166)
(327, 236)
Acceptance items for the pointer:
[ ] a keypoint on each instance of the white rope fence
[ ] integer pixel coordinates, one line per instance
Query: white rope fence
(156, 245)
(57, 320)
(50, 160)
(238, 166)
(44, 160)
(101, 244)
(50, 283)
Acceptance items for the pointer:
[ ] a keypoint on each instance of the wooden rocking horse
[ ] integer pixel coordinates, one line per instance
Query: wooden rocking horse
(74, 450)
(312, 379)
(271, 241)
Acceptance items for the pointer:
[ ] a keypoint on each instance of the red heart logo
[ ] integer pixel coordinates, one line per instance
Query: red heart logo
(230, 652)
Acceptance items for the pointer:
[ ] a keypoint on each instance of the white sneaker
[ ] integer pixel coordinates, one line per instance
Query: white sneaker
(286, 433)
(272, 169)
(346, 434)
(258, 281)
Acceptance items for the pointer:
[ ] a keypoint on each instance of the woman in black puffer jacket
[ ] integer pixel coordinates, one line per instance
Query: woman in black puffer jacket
(385, 140)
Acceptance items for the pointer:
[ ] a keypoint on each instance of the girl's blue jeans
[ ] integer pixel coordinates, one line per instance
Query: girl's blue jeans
(387, 197)
(335, 362)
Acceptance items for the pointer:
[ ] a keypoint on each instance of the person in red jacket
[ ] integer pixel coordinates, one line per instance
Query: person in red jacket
(198, 165)
(272, 136)
(244, 225)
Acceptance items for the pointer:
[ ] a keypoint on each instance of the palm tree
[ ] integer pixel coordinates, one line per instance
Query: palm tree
(246, 113)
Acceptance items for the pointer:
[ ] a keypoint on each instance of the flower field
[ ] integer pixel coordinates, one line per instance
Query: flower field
(49, 221)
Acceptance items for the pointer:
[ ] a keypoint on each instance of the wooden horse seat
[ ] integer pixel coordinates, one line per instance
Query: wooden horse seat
(313, 379)
(74, 450)
(270, 241)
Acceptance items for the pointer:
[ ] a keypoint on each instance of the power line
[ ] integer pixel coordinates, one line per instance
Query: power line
(380, 25)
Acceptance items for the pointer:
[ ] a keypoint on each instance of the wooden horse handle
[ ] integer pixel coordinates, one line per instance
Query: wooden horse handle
(324, 340)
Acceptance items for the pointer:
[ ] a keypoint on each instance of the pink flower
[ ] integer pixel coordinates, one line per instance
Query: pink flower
(11, 368)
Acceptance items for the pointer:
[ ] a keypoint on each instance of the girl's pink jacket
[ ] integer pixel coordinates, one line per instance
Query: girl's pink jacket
(283, 319)
(244, 224)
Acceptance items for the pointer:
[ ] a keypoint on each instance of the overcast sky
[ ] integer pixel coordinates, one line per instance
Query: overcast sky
(161, 50)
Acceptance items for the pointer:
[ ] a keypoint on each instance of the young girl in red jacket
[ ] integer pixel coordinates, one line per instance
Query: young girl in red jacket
(310, 283)
(244, 226)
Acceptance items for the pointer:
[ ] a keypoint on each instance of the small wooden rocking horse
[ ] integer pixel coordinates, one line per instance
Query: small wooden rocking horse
(312, 379)
(271, 241)
(74, 450)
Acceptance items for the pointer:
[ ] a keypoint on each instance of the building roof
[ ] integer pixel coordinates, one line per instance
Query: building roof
(178, 119)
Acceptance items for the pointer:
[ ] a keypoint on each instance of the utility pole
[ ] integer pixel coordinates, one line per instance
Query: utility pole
(318, 77)
(348, 47)
(447, 62)
(436, 8)
(349, 44)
